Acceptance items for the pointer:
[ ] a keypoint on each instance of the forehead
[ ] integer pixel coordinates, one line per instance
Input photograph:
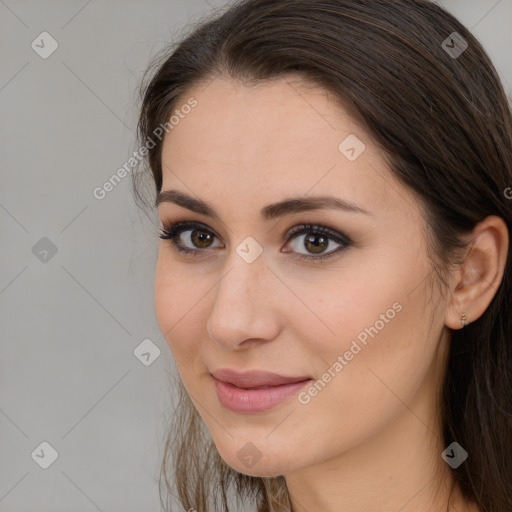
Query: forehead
(273, 139)
(280, 119)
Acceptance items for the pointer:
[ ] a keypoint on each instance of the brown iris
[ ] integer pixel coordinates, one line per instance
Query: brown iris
(318, 243)
(201, 237)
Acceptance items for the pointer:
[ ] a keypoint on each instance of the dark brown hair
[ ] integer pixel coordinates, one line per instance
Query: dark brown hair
(444, 123)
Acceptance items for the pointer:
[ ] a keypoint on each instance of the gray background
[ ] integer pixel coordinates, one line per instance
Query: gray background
(70, 321)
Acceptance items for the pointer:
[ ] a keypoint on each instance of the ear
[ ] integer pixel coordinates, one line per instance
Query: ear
(480, 275)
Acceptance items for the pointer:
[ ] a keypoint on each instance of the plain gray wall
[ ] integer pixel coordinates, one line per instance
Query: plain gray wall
(70, 321)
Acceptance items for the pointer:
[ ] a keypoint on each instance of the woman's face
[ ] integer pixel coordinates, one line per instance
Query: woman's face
(359, 325)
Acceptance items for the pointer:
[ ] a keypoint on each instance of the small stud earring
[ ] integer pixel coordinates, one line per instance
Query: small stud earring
(463, 319)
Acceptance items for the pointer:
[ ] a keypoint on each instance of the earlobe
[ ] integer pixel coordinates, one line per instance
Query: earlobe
(480, 274)
(457, 318)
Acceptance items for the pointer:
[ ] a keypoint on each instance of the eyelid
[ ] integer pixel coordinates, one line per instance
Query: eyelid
(299, 228)
(319, 228)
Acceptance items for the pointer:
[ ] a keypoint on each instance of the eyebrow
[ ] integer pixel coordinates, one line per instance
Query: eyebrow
(272, 211)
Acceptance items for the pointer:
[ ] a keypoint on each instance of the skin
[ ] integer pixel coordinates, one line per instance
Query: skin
(370, 439)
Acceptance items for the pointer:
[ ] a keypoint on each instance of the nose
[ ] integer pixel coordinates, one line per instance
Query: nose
(244, 311)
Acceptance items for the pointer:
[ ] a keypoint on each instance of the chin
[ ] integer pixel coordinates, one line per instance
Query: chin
(246, 458)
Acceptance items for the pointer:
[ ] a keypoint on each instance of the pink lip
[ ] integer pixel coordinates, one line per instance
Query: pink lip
(233, 393)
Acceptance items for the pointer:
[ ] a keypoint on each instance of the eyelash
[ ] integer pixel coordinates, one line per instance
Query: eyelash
(173, 231)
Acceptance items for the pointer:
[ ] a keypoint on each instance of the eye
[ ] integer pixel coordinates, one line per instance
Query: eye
(200, 237)
(318, 240)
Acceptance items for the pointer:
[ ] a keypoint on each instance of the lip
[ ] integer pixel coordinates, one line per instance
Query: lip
(254, 378)
(233, 389)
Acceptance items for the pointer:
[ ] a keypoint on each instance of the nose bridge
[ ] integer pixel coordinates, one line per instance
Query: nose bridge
(242, 309)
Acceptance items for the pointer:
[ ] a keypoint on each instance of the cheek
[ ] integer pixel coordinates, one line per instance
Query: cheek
(177, 297)
(378, 321)
(378, 359)
(354, 304)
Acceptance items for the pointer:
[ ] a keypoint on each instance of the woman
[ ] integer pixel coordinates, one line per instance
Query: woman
(334, 277)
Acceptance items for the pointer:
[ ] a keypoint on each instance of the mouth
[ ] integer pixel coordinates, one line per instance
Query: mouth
(252, 392)
(255, 379)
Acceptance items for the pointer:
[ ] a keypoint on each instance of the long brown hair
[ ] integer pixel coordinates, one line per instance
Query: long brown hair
(444, 122)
